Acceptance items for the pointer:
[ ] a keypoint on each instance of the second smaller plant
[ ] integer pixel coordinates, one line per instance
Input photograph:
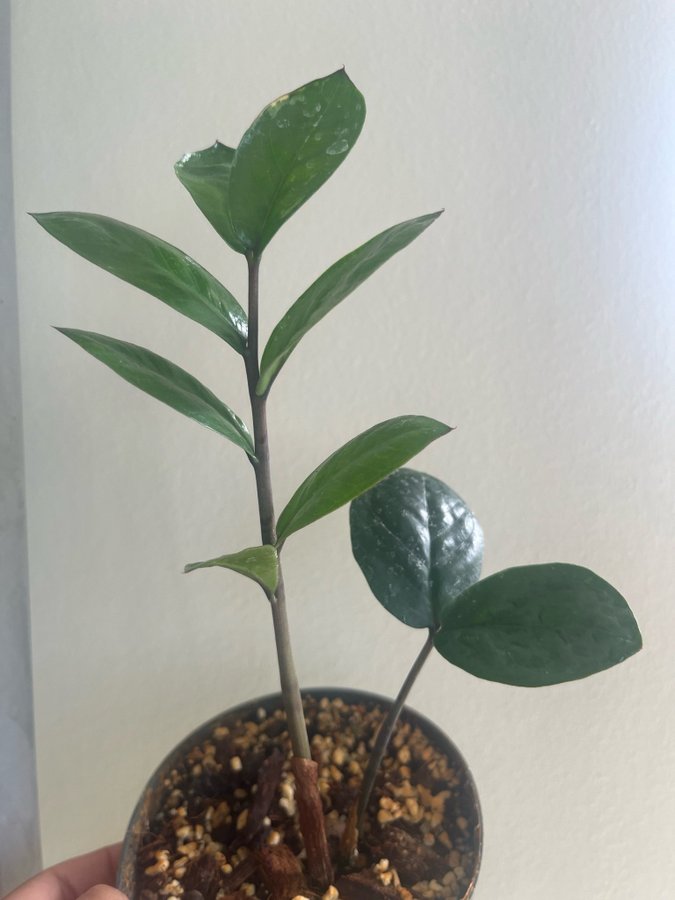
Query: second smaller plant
(421, 550)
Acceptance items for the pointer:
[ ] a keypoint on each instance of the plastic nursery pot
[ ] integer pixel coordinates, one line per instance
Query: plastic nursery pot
(146, 821)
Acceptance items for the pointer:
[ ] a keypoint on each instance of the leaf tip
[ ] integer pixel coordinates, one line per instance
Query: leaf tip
(40, 218)
(443, 427)
(71, 333)
(342, 72)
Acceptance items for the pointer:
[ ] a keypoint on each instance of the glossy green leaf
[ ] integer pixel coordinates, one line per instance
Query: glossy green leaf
(418, 545)
(331, 288)
(154, 266)
(206, 175)
(259, 563)
(351, 470)
(291, 149)
(166, 382)
(538, 625)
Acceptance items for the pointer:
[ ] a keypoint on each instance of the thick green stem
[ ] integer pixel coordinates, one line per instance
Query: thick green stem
(385, 732)
(290, 688)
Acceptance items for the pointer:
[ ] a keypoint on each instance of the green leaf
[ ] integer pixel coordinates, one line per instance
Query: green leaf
(259, 563)
(154, 266)
(418, 545)
(206, 175)
(351, 470)
(166, 382)
(331, 288)
(538, 625)
(291, 149)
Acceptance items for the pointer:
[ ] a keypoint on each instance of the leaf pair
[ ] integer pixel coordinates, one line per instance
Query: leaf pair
(420, 549)
(167, 273)
(296, 143)
(289, 151)
(346, 474)
(174, 278)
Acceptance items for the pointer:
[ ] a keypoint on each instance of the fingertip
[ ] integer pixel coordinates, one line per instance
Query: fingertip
(102, 892)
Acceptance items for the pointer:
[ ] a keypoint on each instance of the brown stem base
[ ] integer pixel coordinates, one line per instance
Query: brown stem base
(310, 815)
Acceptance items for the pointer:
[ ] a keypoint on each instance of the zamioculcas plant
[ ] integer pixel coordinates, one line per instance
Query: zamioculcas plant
(247, 193)
(416, 541)
(421, 550)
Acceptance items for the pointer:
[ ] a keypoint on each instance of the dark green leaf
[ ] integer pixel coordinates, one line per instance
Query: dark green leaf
(329, 289)
(154, 266)
(291, 149)
(538, 625)
(351, 470)
(418, 545)
(206, 175)
(259, 563)
(166, 382)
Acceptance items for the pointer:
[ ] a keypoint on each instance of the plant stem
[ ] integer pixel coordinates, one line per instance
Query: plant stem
(308, 798)
(385, 732)
(290, 688)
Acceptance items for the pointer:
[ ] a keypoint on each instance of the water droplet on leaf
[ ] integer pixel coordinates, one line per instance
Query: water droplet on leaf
(338, 147)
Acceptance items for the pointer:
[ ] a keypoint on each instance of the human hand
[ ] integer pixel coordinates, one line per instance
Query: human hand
(89, 877)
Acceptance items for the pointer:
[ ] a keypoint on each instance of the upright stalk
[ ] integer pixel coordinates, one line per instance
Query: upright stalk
(310, 809)
(386, 730)
(290, 688)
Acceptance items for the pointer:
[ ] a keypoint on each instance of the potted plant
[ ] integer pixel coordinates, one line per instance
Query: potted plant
(337, 792)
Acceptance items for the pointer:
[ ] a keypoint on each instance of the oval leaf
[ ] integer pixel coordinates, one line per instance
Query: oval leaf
(206, 175)
(154, 266)
(351, 470)
(538, 625)
(418, 545)
(291, 149)
(331, 288)
(259, 563)
(166, 382)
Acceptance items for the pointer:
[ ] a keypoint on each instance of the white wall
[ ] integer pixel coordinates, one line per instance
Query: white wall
(537, 315)
(19, 841)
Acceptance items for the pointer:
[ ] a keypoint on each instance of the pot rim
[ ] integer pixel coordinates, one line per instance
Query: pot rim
(138, 822)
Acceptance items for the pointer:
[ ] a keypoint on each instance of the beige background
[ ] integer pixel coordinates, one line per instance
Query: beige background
(537, 316)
